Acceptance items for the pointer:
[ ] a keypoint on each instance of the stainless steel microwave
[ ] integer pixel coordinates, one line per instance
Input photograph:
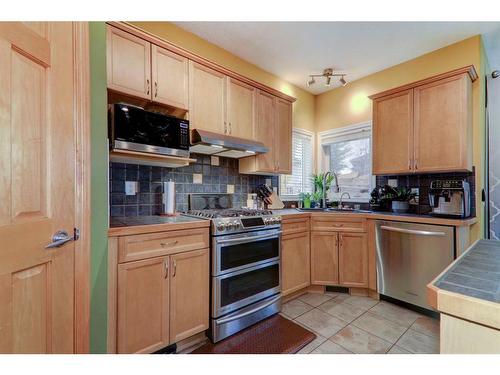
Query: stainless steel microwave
(133, 128)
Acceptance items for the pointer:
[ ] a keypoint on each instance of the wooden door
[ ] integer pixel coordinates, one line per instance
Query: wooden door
(393, 133)
(265, 130)
(241, 100)
(207, 99)
(295, 262)
(128, 63)
(324, 258)
(353, 260)
(443, 125)
(143, 302)
(169, 73)
(189, 294)
(37, 187)
(283, 139)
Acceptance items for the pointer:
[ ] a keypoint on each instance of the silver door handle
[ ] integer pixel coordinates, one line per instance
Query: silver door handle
(412, 231)
(231, 318)
(248, 239)
(60, 238)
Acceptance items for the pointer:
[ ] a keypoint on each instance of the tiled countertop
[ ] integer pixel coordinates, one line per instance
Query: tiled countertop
(120, 226)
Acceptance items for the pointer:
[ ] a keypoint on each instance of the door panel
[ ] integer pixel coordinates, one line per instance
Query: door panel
(37, 187)
(170, 77)
(393, 133)
(353, 260)
(265, 131)
(241, 106)
(295, 262)
(283, 140)
(324, 258)
(189, 294)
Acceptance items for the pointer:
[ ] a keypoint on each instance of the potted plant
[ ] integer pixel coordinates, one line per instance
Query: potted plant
(316, 198)
(400, 197)
(317, 180)
(306, 199)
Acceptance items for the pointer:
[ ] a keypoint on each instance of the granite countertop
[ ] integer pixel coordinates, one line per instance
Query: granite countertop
(156, 223)
(476, 273)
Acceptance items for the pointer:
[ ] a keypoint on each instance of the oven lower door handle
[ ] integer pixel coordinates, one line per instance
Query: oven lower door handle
(249, 239)
(257, 308)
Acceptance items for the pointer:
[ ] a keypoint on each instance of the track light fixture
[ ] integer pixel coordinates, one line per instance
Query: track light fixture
(328, 74)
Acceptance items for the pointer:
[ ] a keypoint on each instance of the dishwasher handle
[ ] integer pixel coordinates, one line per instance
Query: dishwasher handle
(413, 231)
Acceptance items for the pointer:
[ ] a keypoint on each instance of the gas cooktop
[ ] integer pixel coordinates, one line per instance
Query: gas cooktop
(229, 212)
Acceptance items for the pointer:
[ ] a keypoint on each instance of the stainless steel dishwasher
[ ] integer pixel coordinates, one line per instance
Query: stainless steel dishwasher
(409, 256)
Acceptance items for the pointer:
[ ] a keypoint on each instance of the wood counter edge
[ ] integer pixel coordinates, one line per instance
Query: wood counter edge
(152, 228)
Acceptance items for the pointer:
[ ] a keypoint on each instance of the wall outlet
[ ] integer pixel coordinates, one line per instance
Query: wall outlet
(214, 160)
(416, 199)
(131, 187)
(197, 178)
(393, 182)
(230, 189)
(269, 182)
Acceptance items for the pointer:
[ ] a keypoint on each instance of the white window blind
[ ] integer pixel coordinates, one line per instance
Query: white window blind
(302, 167)
(347, 152)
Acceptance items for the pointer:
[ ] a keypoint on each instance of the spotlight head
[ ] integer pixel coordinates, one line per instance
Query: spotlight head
(311, 82)
(343, 81)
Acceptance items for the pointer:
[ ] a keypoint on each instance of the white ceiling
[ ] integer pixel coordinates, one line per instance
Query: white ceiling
(293, 50)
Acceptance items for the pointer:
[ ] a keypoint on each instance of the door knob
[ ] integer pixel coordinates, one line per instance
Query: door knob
(61, 237)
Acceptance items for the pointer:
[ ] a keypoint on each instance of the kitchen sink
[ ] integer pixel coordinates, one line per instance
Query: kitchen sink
(319, 209)
(346, 210)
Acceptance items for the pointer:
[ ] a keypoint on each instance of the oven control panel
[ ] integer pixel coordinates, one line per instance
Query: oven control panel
(243, 224)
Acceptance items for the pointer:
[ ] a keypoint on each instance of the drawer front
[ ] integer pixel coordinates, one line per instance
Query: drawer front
(338, 224)
(150, 245)
(291, 226)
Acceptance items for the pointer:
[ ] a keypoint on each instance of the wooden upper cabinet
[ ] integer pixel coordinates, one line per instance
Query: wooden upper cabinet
(128, 63)
(353, 260)
(265, 129)
(189, 294)
(241, 105)
(443, 125)
(295, 262)
(207, 99)
(169, 73)
(393, 133)
(324, 258)
(283, 136)
(143, 306)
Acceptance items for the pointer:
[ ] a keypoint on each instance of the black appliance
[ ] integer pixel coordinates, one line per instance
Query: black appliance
(135, 129)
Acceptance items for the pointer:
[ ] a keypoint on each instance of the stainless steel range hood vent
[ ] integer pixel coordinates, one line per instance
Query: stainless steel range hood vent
(205, 142)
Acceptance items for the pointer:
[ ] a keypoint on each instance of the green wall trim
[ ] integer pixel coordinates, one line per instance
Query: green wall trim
(99, 189)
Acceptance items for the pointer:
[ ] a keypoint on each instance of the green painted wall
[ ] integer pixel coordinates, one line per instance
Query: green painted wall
(99, 252)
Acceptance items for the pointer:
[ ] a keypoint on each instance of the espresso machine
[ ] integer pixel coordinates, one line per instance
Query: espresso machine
(450, 198)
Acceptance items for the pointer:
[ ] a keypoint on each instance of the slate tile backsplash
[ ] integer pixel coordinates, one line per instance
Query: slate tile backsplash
(148, 200)
(423, 183)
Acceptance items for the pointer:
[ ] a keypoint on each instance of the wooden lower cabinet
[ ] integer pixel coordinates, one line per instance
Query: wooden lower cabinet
(162, 300)
(189, 294)
(324, 258)
(353, 260)
(295, 262)
(143, 306)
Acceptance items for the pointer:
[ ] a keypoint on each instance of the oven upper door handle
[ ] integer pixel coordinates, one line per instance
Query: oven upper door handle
(251, 311)
(250, 238)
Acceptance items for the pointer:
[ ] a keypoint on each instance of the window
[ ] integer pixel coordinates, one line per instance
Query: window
(347, 152)
(302, 166)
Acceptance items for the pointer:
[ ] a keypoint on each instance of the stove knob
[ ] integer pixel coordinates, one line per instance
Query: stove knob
(221, 226)
(229, 226)
(236, 224)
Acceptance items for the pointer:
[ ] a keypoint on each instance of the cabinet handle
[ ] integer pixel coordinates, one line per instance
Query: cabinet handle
(156, 89)
(165, 244)
(175, 268)
(166, 268)
(225, 127)
(230, 130)
(410, 162)
(416, 163)
(147, 81)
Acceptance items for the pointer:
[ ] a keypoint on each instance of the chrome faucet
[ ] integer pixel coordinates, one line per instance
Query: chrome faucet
(342, 196)
(336, 188)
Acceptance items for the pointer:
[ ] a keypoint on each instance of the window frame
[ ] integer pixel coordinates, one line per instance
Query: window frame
(312, 136)
(346, 133)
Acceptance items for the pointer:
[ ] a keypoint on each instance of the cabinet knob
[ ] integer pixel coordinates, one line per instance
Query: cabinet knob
(147, 81)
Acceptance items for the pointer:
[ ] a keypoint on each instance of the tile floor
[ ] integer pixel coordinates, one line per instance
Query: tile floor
(347, 324)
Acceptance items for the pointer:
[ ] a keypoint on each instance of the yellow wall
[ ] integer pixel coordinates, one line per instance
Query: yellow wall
(303, 108)
(350, 104)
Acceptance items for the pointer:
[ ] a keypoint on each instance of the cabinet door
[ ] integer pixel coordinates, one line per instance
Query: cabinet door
(353, 260)
(170, 77)
(443, 125)
(324, 258)
(128, 63)
(189, 294)
(393, 133)
(143, 306)
(265, 129)
(207, 99)
(295, 262)
(283, 139)
(241, 109)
